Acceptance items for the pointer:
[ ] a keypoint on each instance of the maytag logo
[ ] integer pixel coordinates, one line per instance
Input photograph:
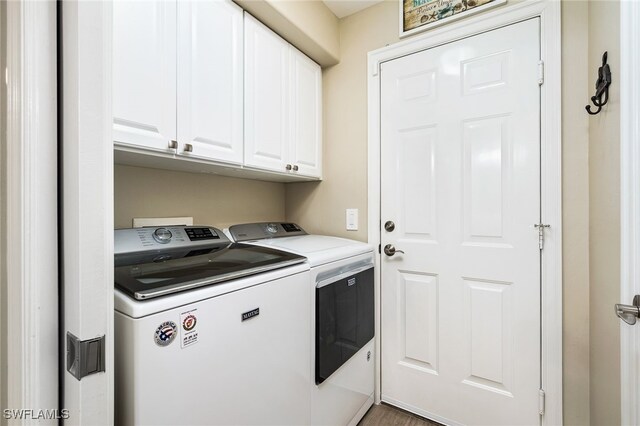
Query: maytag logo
(351, 281)
(253, 313)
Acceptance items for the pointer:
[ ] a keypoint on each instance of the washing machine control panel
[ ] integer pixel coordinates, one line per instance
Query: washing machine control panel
(199, 234)
(166, 237)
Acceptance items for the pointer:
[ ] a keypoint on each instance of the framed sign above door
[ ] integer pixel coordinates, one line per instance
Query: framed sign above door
(420, 15)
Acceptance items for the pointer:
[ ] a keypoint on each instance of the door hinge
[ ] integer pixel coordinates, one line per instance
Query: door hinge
(541, 227)
(376, 68)
(541, 402)
(540, 73)
(379, 248)
(85, 357)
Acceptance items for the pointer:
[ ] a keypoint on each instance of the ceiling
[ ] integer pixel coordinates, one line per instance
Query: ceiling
(342, 8)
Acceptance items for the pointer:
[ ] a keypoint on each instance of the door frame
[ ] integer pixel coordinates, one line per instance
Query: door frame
(29, 241)
(87, 201)
(629, 205)
(30, 197)
(551, 171)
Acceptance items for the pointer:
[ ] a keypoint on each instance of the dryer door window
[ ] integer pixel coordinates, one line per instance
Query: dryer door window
(344, 321)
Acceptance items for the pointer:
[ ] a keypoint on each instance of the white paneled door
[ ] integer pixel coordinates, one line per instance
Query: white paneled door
(460, 129)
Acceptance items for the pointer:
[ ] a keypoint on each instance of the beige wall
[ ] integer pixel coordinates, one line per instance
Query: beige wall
(604, 212)
(575, 205)
(211, 200)
(320, 207)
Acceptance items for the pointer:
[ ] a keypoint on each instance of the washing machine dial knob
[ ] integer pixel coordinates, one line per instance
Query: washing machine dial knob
(162, 235)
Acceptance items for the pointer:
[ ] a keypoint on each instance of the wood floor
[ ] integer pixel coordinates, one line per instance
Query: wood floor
(383, 415)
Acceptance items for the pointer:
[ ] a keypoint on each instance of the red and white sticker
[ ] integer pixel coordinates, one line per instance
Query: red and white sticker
(188, 328)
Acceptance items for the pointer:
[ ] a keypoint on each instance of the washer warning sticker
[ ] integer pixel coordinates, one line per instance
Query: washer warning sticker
(188, 329)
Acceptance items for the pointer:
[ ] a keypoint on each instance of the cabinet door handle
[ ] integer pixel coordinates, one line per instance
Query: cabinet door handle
(288, 167)
(188, 147)
(173, 144)
(295, 168)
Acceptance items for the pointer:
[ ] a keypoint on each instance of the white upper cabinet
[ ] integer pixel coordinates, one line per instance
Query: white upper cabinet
(306, 115)
(283, 109)
(210, 80)
(144, 74)
(266, 107)
(201, 85)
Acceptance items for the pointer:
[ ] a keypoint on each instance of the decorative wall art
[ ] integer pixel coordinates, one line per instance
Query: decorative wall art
(420, 15)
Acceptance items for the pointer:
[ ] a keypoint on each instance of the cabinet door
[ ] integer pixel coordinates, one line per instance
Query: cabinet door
(266, 97)
(210, 64)
(306, 115)
(144, 74)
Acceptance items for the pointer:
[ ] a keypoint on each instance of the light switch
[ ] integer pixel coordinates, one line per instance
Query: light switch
(352, 219)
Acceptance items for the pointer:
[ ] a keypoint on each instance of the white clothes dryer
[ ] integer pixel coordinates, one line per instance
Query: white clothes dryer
(342, 321)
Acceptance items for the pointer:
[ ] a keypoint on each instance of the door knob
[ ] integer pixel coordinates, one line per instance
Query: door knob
(389, 226)
(629, 313)
(390, 250)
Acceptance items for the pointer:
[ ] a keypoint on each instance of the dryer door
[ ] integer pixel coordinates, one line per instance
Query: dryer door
(344, 319)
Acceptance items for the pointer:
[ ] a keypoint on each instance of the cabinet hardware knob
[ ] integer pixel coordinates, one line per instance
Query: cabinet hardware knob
(188, 147)
(295, 168)
(173, 144)
(288, 167)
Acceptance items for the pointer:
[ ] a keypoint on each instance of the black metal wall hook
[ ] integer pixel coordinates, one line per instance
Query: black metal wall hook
(602, 87)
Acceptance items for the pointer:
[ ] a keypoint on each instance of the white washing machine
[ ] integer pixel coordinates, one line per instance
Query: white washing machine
(342, 321)
(208, 331)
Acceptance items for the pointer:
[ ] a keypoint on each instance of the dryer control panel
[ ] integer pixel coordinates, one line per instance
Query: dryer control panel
(262, 230)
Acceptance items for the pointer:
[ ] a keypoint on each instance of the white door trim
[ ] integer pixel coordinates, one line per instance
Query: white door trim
(30, 238)
(630, 204)
(87, 200)
(551, 174)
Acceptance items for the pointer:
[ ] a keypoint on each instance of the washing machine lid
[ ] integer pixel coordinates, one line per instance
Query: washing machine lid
(173, 272)
(146, 268)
